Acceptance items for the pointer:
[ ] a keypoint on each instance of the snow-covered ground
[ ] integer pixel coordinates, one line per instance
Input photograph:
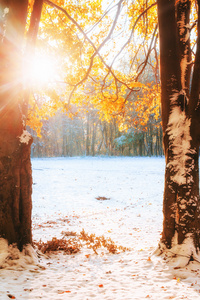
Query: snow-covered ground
(64, 199)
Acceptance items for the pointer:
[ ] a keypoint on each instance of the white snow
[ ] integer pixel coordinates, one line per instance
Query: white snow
(25, 137)
(11, 257)
(6, 11)
(179, 136)
(64, 199)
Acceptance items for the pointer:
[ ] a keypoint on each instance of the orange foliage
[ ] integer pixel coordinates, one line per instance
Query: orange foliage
(84, 80)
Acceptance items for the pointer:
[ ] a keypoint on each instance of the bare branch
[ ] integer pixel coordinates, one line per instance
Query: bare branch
(103, 16)
(147, 56)
(132, 31)
(96, 50)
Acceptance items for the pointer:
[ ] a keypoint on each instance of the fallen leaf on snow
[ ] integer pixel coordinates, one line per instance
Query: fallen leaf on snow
(102, 198)
(11, 296)
(149, 258)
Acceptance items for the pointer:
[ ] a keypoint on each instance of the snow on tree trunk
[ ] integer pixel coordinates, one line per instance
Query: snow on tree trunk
(181, 136)
(181, 181)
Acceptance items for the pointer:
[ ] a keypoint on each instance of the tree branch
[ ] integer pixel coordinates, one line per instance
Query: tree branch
(132, 31)
(147, 56)
(31, 41)
(96, 50)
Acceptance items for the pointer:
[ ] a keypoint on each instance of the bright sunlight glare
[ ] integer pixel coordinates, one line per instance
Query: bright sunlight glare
(40, 71)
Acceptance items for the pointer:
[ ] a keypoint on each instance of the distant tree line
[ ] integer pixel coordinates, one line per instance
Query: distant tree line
(88, 135)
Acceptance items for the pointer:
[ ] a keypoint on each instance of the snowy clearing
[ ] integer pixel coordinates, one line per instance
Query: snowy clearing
(120, 198)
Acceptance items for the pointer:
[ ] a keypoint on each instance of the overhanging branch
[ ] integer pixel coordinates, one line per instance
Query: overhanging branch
(143, 65)
(132, 31)
(97, 50)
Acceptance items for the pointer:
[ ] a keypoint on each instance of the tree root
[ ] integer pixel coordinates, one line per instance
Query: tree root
(179, 255)
(12, 258)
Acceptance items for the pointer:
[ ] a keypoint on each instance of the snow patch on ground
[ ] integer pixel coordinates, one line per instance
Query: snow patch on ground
(64, 199)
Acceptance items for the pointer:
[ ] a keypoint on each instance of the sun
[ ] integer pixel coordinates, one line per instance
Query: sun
(40, 71)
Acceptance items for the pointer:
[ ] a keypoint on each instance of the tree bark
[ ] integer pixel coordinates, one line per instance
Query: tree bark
(15, 163)
(15, 172)
(180, 134)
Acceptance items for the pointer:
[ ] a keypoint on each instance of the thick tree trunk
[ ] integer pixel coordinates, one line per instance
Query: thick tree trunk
(15, 188)
(181, 194)
(180, 134)
(15, 167)
(15, 164)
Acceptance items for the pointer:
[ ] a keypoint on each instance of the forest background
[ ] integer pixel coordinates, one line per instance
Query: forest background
(94, 122)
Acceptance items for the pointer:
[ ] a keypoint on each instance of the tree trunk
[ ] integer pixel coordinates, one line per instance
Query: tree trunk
(87, 146)
(15, 170)
(15, 189)
(180, 134)
(15, 164)
(181, 193)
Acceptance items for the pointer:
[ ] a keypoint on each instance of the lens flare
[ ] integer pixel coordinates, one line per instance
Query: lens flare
(40, 71)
